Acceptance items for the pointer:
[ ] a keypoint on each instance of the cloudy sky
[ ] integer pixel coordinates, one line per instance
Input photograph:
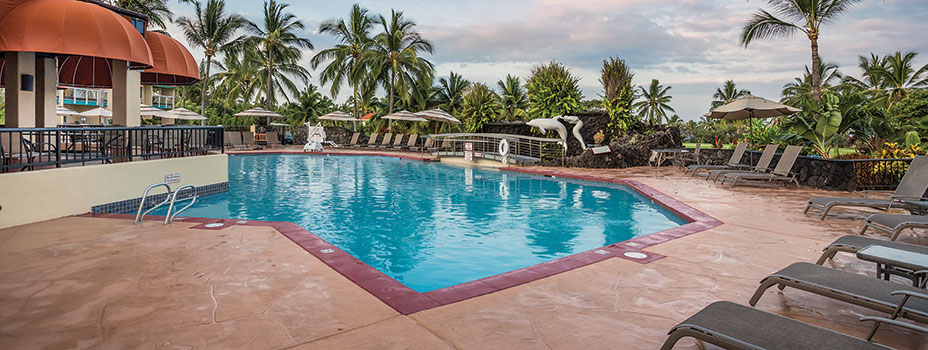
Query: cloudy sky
(692, 45)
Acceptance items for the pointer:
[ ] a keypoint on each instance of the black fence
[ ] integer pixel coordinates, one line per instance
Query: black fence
(880, 174)
(24, 149)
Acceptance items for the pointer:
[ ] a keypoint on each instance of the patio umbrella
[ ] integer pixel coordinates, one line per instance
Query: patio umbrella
(750, 107)
(438, 115)
(61, 110)
(403, 115)
(152, 111)
(259, 112)
(183, 114)
(340, 117)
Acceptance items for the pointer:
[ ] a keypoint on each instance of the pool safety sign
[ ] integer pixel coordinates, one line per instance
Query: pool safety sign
(172, 178)
(469, 151)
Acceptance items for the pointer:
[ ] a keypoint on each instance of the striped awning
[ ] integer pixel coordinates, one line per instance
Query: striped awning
(405, 115)
(338, 116)
(258, 112)
(438, 115)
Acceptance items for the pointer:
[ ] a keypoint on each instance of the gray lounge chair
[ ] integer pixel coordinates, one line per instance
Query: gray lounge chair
(876, 294)
(371, 142)
(689, 157)
(894, 224)
(236, 139)
(397, 142)
(762, 166)
(854, 243)
(413, 138)
(734, 326)
(387, 138)
(782, 173)
(733, 163)
(909, 195)
(429, 141)
(248, 138)
(272, 140)
(354, 140)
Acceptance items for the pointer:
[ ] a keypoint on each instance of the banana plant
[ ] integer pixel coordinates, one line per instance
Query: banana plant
(821, 130)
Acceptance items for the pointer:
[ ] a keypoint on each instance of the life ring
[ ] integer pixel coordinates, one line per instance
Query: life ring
(504, 147)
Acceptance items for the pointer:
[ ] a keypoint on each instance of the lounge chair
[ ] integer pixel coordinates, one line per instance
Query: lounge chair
(371, 142)
(387, 138)
(689, 157)
(429, 142)
(865, 291)
(397, 141)
(733, 163)
(909, 195)
(354, 140)
(272, 140)
(782, 173)
(248, 138)
(226, 135)
(762, 166)
(854, 243)
(894, 224)
(734, 326)
(413, 138)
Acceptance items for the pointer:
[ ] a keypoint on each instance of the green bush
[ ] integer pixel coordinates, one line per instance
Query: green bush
(552, 91)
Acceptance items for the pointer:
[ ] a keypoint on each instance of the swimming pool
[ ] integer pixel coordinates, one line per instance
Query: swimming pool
(430, 225)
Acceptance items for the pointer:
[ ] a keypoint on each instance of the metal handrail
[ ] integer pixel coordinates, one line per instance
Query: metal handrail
(139, 216)
(169, 218)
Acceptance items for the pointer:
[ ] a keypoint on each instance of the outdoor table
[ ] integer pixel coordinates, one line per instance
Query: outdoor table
(666, 154)
(892, 261)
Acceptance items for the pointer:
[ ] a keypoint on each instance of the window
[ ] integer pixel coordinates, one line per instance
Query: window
(139, 25)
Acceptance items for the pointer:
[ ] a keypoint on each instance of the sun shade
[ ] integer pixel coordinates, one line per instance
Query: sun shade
(68, 27)
(438, 115)
(405, 115)
(750, 107)
(258, 112)
(183, 113)
(338, 116)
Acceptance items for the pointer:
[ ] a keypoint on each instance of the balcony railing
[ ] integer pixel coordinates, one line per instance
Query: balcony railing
(86, 97)
(162, 101)
(24, 149)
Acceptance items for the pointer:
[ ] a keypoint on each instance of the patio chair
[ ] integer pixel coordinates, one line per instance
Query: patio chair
(735, 326)
(14, 152)
(762, 166)
(272, 140)
(387, 139)
(733, 163)
(896, 299)
(354, 140)
(894, 224)
(372, 142)
(236, 139)
(854, 243)
(690, 157)
(909, 195)
(782, 173)
(248, 139)
(397, 142)
(413, 138)
(429, 142)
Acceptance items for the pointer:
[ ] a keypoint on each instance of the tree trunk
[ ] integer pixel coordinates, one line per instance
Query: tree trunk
(356, 101)
(209, 60)
(392, 83)
(270, 67)
(816, 69)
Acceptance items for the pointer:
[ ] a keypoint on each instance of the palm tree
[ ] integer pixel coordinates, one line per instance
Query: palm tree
(726, 94)
(278, 74)
(655, 106)
(277, 38)
(346, 59)
(512, 97)
(899, 76)
(809, 14)
(157, 11)
(451, 92)
(213, 30)
(396, 57)
(308, 105)
(800, 91)
(423, 95)
(240, 71)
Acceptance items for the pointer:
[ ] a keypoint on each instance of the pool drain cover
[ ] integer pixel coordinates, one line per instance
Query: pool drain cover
(636, 255)
(214, 225)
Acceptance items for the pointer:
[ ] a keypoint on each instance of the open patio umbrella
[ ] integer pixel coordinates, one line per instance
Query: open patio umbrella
(183, 114)
(340, 117)
(403, 115)
(259, 112)
(152, 111)
(438, 115)
(61, 110)
(750, 107)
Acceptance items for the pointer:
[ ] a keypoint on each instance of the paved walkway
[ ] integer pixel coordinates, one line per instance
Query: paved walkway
(82, 282)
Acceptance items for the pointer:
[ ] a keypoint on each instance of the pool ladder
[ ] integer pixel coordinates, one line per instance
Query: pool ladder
(170, 199)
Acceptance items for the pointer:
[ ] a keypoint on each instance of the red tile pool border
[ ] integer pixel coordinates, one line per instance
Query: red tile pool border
(407, 301)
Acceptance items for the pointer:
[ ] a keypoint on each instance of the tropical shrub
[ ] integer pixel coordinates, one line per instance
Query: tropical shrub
(480, 105)
(618, 94)
(552, 91)
(818, 124)
(599, 137)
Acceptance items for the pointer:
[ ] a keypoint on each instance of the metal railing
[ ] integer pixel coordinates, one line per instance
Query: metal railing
(162, 101)
(522, 149)
(37, 148)
(86, 97)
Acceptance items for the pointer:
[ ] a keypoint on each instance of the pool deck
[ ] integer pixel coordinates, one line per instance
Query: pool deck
(85, 282)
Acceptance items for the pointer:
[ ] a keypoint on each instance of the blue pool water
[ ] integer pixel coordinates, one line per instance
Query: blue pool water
(429, 225)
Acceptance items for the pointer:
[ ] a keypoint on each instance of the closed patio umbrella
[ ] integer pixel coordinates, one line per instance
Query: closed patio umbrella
(439, 116)
(259, 112)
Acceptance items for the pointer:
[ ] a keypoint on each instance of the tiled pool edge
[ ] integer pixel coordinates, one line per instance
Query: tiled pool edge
(407, 301)
(132, 204)
(329, 153)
